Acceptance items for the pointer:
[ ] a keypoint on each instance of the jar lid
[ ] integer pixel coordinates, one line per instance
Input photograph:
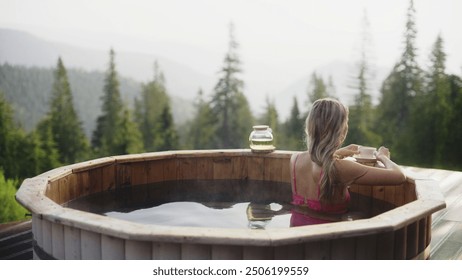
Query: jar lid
(260, 127)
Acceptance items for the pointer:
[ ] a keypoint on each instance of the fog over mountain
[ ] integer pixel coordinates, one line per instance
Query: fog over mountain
(182, 81)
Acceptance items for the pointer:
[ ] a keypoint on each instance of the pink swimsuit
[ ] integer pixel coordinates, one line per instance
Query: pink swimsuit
(313, 204)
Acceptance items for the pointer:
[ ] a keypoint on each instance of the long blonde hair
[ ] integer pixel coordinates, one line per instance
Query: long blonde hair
(326, 127)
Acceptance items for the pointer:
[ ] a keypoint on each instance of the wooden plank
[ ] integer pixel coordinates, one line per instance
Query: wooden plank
(343, 249)
(422, 241)
(385, 245)
(90, 245)
(83, 179)
(222, 168)
(96, 180)
(137, 250)
(57, 241)
(62, 190)
(399, 195)
(258, 253)
(319, 250)
(239, 168)
(226, 252)
(187, 168)
(52, 191)
(47, 237)
(112, 248)
(400, 244)
(196, 251)
(139, 173)
(123, 175)
(412, 240)
(170, 168)
(256, 168)
(155, 171)
(289, 252)
(37, 229)
(366, 247)
(389, 194)
(166, 251)
(273, 169)
(205, 168)
(108, 177)
(72, 246)
(72, 186)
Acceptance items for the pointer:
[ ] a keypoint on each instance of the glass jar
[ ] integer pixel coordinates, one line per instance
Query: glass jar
(261, 139)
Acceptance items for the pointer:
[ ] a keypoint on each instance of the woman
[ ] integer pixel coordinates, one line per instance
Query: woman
(321, 175)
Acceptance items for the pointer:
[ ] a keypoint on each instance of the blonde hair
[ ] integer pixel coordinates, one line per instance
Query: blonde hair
(326, 127)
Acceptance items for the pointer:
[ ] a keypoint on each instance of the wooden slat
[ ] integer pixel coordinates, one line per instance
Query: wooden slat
(366, 247)
(400, 245)
(412, 240)
(72, 245)
(319, 250)
(137, 250)
(343, 249)
(258, 253)
(226, 252)
(166, 251)
(196, 252)
(108, 177)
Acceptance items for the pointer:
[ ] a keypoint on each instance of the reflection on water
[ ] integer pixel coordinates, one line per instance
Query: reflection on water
(220, 215)
(211, 203)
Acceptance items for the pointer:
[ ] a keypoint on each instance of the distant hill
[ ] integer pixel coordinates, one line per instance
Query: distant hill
(22, 48)
(27, 64)
(28, 90)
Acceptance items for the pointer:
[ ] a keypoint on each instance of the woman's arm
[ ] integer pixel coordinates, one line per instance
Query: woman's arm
(352, 172)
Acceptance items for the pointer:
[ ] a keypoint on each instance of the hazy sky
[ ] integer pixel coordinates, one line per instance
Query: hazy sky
(290, 37)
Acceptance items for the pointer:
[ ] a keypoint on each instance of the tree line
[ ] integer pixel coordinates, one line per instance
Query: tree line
(419, 117)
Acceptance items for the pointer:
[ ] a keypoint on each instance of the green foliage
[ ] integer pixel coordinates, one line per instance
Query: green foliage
(398, 92)
(66, 128)
(201, 129)
(229, 104)
(293, 130)
(22, 84)
(319, 89)
(108, 137)
(10, 209)
(154, 117)
(362, 117)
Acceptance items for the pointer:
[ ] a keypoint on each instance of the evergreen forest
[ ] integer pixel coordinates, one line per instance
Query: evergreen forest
(418, 116)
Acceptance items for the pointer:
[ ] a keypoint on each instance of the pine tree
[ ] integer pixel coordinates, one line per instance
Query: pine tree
(6, 135)
(201, 131)
(452, 151)
(131, 141)
(293, 131)
(230, 106)
(318, 88)
(154, 117)
(361, 113)
(66, 127)
(398, 91)
(432, 111)
(108, 135)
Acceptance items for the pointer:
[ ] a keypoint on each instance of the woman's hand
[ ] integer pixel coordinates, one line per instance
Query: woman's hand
(382, 152)
(347, 151)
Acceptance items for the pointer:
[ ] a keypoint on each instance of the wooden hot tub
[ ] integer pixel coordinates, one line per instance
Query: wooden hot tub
(399, 228)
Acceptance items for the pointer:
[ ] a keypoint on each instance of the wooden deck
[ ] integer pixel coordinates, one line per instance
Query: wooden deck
(446, 241)
(446, 244)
